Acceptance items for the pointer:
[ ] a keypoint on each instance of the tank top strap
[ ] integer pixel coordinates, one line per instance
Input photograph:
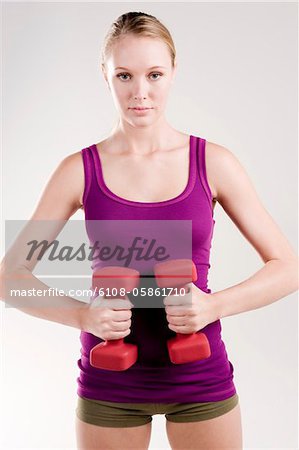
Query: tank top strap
(201, 167)
(94, 173)
(197, 169)
(192, 163)
(89, 170)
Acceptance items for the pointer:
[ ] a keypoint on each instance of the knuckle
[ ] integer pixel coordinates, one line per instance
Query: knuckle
(104, 319)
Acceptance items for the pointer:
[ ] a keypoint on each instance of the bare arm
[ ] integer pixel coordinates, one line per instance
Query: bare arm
(59, 201)
(279, 275)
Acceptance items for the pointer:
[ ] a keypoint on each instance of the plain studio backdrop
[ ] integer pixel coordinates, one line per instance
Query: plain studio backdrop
(236, 85)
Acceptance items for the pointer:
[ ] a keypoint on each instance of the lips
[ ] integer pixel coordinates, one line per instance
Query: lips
(140, 108)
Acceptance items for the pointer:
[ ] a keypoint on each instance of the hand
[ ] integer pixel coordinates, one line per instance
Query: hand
(191, 312)
(107, 319)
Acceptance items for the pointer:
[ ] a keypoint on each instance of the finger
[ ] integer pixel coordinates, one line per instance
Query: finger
(179, 328)
(177, 300)
(119, 304)
(180, 310)
(112, 303)
(173, 300)
(177, 320)
(187, 297)
(122, 315)
(185, 289)
(120, 326)
(188, 287)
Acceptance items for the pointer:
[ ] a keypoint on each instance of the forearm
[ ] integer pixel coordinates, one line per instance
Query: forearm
(56, 308)
(275, 280)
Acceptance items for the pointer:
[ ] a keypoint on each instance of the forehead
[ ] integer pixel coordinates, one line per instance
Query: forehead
(139, 52)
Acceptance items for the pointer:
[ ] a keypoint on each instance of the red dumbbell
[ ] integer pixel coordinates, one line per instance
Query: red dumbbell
(114, 354)
(182, 348)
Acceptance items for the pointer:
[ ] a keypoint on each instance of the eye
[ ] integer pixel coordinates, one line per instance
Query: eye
(121, 75)
(126, 74)
(156, 73)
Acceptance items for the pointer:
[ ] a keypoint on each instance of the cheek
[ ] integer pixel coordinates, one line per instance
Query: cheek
(120, 93)
(162, 91)
(118, 90)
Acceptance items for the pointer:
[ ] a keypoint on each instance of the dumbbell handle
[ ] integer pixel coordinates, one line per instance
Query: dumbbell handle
(114, 277)
(184, 347)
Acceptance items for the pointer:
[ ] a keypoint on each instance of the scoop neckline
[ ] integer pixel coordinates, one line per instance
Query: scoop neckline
(188, 188)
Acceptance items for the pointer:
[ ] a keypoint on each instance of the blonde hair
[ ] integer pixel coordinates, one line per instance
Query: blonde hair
(140, 24)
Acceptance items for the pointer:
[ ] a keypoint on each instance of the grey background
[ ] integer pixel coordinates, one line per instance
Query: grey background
(236, 85)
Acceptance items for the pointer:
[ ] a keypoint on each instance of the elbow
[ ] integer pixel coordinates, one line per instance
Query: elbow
(287, 271)
(292, 268)
(296, 275)
(10, 271)
(9, 275)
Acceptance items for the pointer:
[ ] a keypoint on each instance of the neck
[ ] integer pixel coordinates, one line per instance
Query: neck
(144, 140)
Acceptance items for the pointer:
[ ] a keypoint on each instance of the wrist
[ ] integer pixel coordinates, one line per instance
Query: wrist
(80, 316)
(216, 305)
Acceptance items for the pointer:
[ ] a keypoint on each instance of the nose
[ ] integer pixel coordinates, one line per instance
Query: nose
(139, 90)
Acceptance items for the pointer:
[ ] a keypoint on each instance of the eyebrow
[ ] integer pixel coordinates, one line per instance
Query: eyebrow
(154, 67)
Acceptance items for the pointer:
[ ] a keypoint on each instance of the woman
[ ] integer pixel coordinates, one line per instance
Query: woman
(147, 170)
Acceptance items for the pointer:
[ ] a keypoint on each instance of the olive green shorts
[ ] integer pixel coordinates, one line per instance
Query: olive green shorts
(112, 414)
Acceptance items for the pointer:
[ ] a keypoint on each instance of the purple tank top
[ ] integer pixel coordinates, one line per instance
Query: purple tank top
(154, 378)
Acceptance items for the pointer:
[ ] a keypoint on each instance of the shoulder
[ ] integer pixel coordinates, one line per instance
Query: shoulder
(220, 164)
(72, 166)
(61, 196)
(71, 171)
(72, 160)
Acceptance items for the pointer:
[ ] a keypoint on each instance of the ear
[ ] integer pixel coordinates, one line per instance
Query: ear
(174, 71)
(108, 85)
(106, 79)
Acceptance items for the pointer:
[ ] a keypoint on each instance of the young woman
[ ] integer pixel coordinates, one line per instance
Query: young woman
(146, 170)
